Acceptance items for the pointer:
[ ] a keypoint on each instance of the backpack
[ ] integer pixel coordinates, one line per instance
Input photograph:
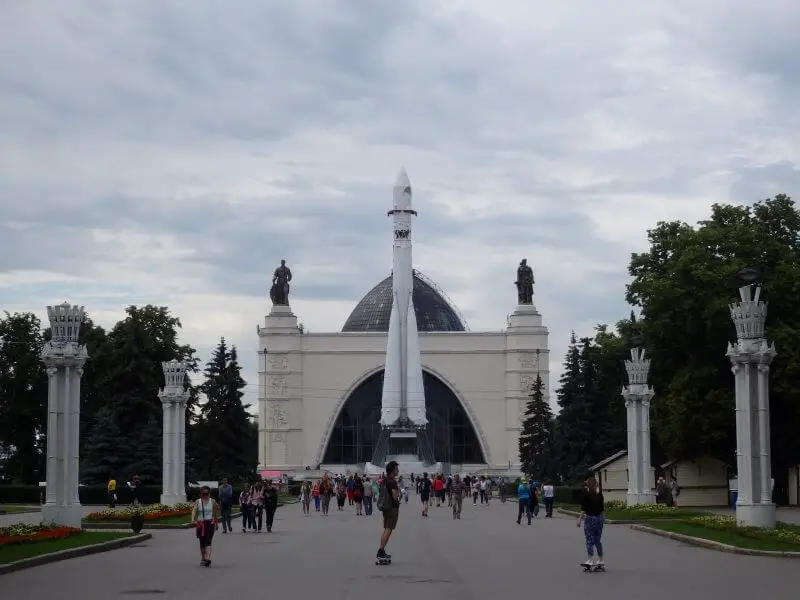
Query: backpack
(383, 501)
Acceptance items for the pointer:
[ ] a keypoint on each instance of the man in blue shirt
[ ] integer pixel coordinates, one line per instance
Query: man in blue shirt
(226, 504)
(524, 495)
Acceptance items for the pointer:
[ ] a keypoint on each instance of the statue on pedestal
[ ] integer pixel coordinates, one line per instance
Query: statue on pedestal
(279, 293)
(524, 283)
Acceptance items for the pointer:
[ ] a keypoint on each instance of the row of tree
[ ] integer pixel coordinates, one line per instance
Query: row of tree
(121, 413)
(683, 286)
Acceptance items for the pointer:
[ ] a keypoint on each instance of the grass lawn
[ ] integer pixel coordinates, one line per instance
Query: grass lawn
(734, 536)
(16, 552)
(620, 513)
(15, 508)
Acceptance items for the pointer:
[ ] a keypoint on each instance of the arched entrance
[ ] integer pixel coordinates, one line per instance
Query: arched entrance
(356, 429)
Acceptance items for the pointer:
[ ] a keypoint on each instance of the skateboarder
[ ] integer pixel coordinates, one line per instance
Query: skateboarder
(592, 520)
(389, 505)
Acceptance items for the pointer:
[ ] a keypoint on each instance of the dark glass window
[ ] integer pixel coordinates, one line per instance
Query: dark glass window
(356, 429)
(433, 312)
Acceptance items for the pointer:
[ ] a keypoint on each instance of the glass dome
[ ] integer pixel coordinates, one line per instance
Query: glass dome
(433, 311)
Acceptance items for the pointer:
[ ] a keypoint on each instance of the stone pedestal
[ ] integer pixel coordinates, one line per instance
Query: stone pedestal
(524, 316)
(64, 358)
(280, 382)
(638, 395)
(750, 358)
(173, 400)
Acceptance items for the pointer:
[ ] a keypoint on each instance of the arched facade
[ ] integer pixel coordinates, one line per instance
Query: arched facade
(355, 431)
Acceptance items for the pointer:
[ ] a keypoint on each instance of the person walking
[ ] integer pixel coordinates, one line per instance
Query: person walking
(524, 495)
(270, 503)
(549, 497)
(111, 489)
(425, 493)
(244, 508)
(389, 505)
(591, 517)
(368, 497)
(358, 495)
(226, 505)
(305, 497)
(205, 518)
(325, 492)
(315, 495)
(457, 491)
(257, 502)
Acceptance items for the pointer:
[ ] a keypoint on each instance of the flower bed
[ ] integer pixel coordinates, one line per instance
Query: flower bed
(26, 534)
(788, 534)
(153, 512)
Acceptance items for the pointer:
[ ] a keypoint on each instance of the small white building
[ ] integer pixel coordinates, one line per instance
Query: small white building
(703, 481)
(612, 475)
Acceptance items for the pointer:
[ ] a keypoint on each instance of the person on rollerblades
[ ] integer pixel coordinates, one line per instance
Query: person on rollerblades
(389, 505)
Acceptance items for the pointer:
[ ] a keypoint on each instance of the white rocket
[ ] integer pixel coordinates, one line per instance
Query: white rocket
(403, 398)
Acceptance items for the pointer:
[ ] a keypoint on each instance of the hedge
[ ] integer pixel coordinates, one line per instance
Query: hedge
(96, 494)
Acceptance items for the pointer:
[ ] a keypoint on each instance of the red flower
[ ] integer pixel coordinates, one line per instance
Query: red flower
(56, 533)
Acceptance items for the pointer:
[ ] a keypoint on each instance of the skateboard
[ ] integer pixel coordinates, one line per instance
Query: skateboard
(593, 568)
(383, 561)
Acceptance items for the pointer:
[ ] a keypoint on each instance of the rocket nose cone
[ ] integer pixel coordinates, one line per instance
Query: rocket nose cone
(402, 190)
(402, 179)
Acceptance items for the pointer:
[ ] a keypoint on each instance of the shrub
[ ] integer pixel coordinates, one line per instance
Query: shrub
(152, 512)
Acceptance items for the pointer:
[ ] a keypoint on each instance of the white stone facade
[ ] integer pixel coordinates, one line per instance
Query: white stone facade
(64, 359)
(305, 380)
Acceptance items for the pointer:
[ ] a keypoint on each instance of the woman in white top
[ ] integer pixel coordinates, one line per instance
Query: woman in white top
(205, 517)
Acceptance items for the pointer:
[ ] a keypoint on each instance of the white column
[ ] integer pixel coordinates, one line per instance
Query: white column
(166, 470)
(53, 472)
(64, 358)
(180, 491)
(750, 358)
(173, 398)
(176, 441)
(637, 396)
(75, 433)
(763, 434)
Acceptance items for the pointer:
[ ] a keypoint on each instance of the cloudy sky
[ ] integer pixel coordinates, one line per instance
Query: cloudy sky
(172, 153)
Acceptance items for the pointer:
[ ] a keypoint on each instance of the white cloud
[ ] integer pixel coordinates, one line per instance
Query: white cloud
(155, 153)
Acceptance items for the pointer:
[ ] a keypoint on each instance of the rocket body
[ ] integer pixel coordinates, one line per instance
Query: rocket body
(403, 397)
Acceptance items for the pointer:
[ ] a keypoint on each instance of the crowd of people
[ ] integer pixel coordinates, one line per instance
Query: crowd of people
(386, 493)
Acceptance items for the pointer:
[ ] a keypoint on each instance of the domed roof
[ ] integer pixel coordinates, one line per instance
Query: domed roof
(433, 311)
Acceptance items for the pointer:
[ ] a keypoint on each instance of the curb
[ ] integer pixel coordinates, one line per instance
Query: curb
(20, 512)
(44, 559)
(712, 545)
(572, 513)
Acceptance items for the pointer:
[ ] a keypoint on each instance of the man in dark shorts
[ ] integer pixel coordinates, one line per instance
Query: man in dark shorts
(425, 493)
(390, 508)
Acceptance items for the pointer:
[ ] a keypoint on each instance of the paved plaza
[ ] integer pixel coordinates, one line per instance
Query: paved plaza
(484, 555)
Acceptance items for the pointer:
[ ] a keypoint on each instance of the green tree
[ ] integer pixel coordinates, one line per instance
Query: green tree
(105, 451)
(147, 453)
(536, 439)
(225, 425)
(23, 397)
(684, 284)
(93, 398)
(573, 423)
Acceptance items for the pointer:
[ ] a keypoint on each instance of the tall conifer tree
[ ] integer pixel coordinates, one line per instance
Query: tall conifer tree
(536, 439)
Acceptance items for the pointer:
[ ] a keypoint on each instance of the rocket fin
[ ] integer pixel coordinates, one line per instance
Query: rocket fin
(390, 397)
(414, 382)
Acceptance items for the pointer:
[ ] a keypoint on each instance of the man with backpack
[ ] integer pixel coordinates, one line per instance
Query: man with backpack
(389, 505)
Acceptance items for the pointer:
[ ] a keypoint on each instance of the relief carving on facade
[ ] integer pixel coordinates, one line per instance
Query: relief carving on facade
(278, 385)
(279, 416)
(526, 381)
(528, 361)
(279, 362)
(278, 437)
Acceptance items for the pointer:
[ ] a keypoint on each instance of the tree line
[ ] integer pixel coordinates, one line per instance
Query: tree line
(121, 413)
(682, 288)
